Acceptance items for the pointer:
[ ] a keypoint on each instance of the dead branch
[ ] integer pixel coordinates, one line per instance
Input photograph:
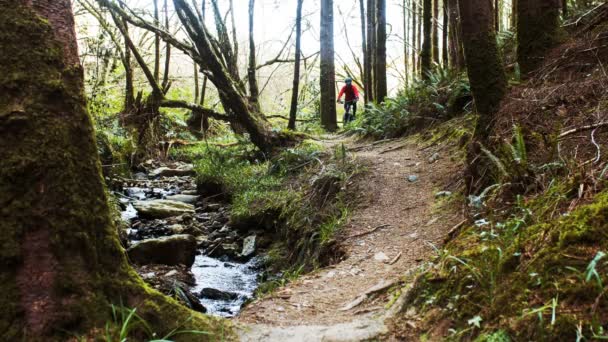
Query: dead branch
(580, 129)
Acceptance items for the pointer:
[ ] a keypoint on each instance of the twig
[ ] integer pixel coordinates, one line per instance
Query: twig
(369, 231)
(395, 259)
(393, 149)
(454, 230)
(583, 128)
(599, 152)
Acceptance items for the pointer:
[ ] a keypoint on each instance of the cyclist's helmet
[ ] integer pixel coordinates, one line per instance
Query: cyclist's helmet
(348, 80)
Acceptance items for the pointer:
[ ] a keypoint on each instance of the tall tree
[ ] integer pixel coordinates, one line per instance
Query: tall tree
(254, 92)
(293, 111)
(484, 66)
(406, 42)
(156, 43)
(455, 42)
(371, 47)
(62, 262)
(537, 31)
(380, 89)
(415, 37)
(328, 71)
(435, 31)
(367, 65)
(445, 33)
(427, 43)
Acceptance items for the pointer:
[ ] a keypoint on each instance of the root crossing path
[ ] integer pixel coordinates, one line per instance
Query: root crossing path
(389, 234)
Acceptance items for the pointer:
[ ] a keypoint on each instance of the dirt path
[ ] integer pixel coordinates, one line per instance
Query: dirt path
(404, 218)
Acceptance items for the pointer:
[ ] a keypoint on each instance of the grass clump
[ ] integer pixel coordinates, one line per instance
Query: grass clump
(297, 198)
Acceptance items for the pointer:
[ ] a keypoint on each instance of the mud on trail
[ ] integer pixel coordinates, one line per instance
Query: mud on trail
(390, 233)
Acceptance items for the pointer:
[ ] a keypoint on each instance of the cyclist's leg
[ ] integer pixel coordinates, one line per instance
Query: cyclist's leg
(352, 116)
(346, 110)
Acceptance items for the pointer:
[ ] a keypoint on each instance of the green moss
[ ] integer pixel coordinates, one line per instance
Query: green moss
(509, 273)
(56, 218)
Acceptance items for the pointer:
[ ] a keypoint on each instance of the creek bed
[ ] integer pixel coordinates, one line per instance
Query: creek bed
(227, 276)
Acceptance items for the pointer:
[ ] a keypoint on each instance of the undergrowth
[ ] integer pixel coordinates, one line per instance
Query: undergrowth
(298, 198)
(444, 95)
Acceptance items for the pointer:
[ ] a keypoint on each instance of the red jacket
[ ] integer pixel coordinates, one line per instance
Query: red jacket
(350, 91)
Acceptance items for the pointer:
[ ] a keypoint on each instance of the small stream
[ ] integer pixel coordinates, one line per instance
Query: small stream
(222, 282)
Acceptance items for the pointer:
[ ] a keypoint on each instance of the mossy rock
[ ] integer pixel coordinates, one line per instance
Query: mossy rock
(159, 209)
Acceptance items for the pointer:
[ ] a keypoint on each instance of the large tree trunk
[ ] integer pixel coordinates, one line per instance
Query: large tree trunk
(371, 48)
(537, 31)
(293, 111)
(426, 54)
(484, 66)
(254, 91)
(380, 89)
(62, 262)
(328, 72)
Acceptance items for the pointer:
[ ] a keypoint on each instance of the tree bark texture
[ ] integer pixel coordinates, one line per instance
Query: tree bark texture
(254, 90)
(484, 66)
(371, 48)
(427, 43)
(367, 65)
(380, 89)
(62, 262)
(328, 72)
(537, 31)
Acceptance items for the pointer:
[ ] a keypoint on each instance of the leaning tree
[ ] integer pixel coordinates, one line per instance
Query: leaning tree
(217, 57)
(62, 264)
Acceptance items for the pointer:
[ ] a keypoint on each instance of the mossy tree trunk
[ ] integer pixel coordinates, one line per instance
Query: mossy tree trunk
(537, 31)
(328, 71)
(62, 262)
(483, 61)
(295, 90)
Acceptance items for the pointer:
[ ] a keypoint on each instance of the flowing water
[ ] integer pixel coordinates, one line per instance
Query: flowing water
(237, 279)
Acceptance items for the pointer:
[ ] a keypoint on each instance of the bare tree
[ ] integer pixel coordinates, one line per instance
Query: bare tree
(254, 92)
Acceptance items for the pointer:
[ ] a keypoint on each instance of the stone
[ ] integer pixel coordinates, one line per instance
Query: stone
(168, 250)
(215, 294)
(213, 206)
(443, 194)
(248, 246)
(158, 209)
(433, 158)
(190, 199)
(190, 192)
(176, 229)
(182, 170)
(380, 256)
(412, 178)
(230, 250)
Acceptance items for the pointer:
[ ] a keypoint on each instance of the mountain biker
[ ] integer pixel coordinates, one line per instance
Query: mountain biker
(350, 100)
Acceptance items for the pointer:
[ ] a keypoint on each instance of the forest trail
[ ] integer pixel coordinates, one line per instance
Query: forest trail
(388, 234)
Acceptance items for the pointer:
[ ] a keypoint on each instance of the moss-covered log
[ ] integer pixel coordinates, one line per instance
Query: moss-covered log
(62, 262)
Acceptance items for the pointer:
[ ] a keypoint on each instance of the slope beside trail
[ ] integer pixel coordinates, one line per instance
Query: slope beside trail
(389, 233)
